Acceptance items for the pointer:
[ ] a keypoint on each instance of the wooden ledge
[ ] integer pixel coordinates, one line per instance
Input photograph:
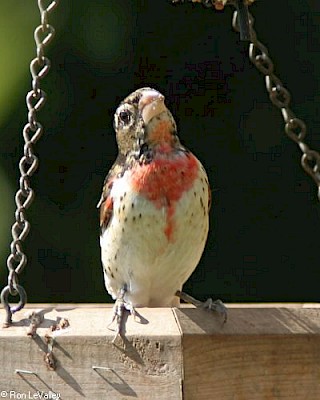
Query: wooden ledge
(264, 351)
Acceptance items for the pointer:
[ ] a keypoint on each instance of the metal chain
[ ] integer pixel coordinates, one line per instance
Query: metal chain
(240, 5)
(295, 128)
(217, 4)
(32, 131)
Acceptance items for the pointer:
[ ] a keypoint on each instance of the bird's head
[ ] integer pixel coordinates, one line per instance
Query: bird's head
(142, 121)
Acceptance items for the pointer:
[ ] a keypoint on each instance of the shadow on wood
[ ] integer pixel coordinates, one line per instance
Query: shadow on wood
(262, 352)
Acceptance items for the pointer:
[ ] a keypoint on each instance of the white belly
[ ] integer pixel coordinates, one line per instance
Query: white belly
(138, 252)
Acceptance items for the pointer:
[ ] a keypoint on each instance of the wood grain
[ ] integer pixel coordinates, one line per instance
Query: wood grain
(147, 366)
(262, 352)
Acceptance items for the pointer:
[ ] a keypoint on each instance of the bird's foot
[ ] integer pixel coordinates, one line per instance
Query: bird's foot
(120, 309)
(217, 306)
(209, 304)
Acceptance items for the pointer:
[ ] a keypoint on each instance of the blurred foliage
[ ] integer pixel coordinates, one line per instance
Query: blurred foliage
(17, 22)
(6, 215)
(265, 215)
(16, 46)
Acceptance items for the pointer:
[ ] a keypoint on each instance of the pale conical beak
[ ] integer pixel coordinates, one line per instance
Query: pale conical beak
(151, 104)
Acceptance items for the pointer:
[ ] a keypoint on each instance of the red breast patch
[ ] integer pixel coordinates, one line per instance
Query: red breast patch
(164, 181)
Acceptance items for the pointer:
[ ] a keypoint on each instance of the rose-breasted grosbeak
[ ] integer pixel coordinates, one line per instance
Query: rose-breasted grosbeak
(153, 210)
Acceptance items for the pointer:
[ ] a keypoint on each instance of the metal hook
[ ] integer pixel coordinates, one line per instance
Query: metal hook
(243, 18)
(9, 309)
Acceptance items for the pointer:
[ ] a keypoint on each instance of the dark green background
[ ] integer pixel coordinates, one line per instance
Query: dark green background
(264, 238)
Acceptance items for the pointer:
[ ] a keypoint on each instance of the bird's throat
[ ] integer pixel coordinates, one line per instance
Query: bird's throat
(161, 133)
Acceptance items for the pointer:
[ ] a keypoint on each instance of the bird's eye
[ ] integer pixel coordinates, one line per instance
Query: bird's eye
(125, 116)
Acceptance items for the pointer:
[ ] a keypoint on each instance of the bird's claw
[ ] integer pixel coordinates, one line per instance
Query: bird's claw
(119, 309)
(209, 304)
(217, 306)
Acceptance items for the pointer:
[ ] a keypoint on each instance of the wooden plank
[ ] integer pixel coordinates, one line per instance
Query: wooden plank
(149, 366)
(260, 353)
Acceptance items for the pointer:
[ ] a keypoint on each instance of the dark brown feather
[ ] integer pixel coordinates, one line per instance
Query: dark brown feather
(106, 202)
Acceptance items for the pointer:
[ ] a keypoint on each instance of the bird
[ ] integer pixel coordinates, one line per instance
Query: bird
(154, 210)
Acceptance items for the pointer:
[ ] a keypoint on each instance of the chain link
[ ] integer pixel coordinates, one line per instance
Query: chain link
(218, 4)
(32, 131)
(295, 128)
(242, 11)
(280, 97)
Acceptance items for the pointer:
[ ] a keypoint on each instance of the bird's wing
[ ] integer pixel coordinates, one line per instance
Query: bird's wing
(106, 201)
(209, 188)
(209, 197)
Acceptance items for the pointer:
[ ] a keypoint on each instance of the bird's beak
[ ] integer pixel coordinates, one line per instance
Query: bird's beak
(151, 104)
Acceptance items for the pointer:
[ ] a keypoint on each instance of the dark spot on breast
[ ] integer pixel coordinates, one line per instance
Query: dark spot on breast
(116, 269)
(195, 194)
(124, 194)
(201, 179)
(121, 198)
(203, 189)
(140, 215)
(132, 205)
(115, 256)
(123, 207)
(133, 218)
(112, 276)
(122, 229)
(119, 210)
(126, 219)
(201, 202)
